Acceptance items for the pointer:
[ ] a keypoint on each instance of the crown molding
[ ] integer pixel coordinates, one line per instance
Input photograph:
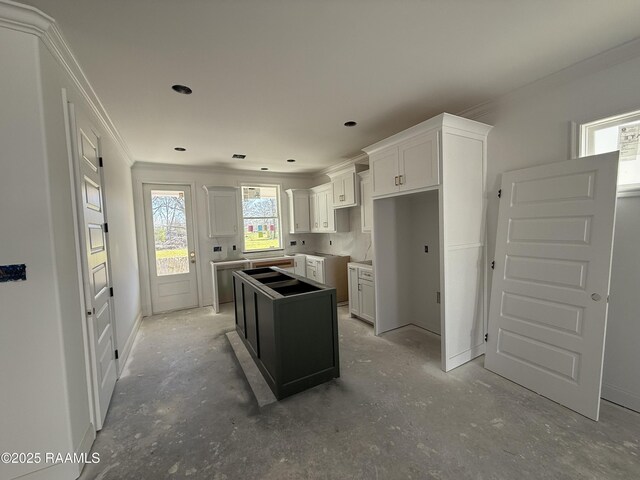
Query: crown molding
(360, 159)
(28, 19)
(220, 170)
(601, 61)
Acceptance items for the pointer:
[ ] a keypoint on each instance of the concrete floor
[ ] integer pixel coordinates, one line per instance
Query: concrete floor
(183, 409)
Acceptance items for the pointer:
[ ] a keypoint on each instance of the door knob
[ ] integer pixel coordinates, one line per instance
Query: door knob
(192, 255)
(595, 297)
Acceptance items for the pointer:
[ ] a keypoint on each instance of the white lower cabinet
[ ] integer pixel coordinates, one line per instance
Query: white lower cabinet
(362, 297)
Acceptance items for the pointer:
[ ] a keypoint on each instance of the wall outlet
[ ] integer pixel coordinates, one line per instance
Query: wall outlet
(293, 243)
(217, 248)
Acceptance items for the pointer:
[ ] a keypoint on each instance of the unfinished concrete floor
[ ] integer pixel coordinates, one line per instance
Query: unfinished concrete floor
(183, 409)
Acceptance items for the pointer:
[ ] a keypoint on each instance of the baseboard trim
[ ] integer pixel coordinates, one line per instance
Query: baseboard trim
(463, 357)
(124, 356)
(621, 397)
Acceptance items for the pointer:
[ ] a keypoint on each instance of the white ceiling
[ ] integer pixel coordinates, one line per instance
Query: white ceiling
(276, 79)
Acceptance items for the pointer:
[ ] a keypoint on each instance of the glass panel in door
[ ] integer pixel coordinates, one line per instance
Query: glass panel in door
(170, 232)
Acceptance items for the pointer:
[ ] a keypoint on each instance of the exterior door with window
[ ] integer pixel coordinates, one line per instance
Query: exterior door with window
(170, 245)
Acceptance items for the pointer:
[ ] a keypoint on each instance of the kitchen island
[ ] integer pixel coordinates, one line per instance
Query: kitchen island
(289, 324)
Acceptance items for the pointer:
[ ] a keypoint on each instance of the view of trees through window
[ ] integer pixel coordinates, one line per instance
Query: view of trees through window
(261, 218)
(170, 232)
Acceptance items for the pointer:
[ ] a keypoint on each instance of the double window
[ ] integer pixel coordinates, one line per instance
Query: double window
(261, 217)
(621, 132)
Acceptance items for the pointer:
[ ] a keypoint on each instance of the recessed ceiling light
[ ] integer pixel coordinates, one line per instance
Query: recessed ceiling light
(264, 168)
(291, 160)
(239, 155)
(350, 123)
(180, 149)
(182, 89)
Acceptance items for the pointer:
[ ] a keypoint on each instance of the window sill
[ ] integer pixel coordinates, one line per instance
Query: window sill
(629, 190)
(260, 253)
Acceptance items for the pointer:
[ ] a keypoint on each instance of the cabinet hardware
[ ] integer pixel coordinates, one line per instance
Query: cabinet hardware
(359, 287)
(401, 177)
(397, 181)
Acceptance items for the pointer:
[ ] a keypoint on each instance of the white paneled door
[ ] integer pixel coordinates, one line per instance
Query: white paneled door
(96, 273)
(170, 244)
(550, 288)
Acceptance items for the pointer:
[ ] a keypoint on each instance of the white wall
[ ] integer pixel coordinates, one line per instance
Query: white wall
(42, 372)
(532, 128)
(118, 196)
(198, 177)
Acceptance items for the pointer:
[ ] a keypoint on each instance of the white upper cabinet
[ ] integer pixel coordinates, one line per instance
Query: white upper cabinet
(384, 171)
(345, 189)
(366, 201)
(410, 163)
(222, 205)
(324, 218)
(418, 162)
(299, 211)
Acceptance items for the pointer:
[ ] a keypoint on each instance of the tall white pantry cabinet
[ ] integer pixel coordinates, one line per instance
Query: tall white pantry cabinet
(428, 186)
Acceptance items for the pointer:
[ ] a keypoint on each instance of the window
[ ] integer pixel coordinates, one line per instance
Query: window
(261, 217)
(170, 232)
(621, 132)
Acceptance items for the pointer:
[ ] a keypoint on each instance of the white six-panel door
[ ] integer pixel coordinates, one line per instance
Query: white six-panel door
(96, 271)
(548, 310)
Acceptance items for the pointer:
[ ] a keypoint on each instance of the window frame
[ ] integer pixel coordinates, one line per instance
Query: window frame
(584, 132)
(278, 188)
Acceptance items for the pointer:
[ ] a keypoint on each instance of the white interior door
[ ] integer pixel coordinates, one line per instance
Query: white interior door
(100, 329)
(550, 289)
(170, 245)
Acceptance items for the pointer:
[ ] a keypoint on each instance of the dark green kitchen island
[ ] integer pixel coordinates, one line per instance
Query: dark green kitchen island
(289, 324)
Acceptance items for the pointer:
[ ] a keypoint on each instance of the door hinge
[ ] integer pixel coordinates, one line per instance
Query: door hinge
(100, 161)
(111, 291)
(106, 228)
(437, 297)
(493, 265)
(486, 337)
(500, 193)
(116, 354)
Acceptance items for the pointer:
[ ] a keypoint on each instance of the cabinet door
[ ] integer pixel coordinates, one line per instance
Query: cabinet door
(367, 301)
(323, 211)
(337, 187)
(223, 213)
(384, 171)
(353, 291)
(366, 208)
(320, 271)
(418, 162)
(313, 212)
(349, 190)
(301, 213)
